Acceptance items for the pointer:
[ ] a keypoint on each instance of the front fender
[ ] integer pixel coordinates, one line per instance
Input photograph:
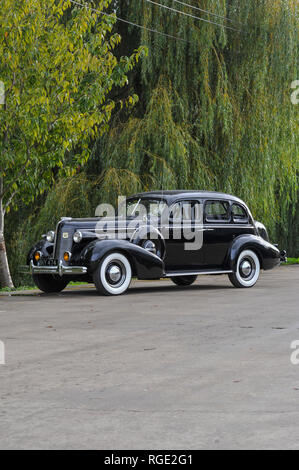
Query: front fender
(145, 265)
(44, 247)
(268, 254)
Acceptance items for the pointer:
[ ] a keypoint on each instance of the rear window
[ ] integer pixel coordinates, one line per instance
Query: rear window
(239, 213)
(217, 211)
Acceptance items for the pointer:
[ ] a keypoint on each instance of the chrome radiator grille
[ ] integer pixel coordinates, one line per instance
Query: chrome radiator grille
(63, 241)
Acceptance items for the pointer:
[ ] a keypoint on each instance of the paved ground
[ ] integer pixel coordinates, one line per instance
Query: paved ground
(162, 367)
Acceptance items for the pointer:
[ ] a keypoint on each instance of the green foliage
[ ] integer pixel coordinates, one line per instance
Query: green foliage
(57, 74)
(58, 67)
(68, 198)
(157, 150)
(215, 111)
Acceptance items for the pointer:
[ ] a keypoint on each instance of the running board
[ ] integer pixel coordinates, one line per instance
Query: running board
(195, 273)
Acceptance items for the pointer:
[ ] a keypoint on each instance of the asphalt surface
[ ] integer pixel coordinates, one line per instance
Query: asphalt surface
(203, 367)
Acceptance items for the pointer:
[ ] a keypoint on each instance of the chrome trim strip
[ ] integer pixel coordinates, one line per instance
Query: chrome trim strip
(99, 232)
(55, 239)
(183, 223)
(61, 270)
(195, 273)
(229, 225)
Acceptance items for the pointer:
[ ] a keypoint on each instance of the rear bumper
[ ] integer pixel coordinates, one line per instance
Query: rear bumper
(59, 270)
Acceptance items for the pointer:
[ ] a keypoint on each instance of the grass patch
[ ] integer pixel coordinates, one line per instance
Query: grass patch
(78, 283)
(8, 289)
(293, 261)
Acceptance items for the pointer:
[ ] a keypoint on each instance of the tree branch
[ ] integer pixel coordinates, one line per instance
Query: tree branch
(10, 199)
(5, 190)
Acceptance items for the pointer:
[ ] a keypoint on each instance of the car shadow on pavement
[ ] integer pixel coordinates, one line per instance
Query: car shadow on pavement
(167, 288)
(135, 290)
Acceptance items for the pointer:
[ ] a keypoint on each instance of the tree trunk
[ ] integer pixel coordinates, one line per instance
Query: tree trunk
(5, 277)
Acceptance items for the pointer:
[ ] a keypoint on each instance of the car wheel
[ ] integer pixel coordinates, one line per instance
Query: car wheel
(113, 275)
(184, 280)
(247, 271)
(48, 283)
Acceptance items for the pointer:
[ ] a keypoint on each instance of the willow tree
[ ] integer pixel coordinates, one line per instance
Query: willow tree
(57, 66)
(215, 109)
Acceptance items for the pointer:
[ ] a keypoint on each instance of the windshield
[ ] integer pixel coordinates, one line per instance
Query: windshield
(139, 207)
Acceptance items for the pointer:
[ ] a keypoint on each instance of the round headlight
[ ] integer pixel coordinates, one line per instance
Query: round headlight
(77, 237)
(50, 236)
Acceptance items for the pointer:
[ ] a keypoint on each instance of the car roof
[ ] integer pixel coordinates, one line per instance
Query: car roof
(171, 196)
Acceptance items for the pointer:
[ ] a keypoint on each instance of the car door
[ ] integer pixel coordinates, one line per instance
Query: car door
(219, 233)
(183, 235)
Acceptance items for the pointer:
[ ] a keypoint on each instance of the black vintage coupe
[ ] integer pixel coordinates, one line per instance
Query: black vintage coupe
(162, 234)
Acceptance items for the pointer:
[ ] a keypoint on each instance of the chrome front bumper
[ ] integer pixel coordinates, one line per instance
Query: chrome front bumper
(61, 270)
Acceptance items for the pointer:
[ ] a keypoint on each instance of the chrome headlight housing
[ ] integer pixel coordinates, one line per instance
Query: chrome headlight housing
(77, 237)
(50, 236)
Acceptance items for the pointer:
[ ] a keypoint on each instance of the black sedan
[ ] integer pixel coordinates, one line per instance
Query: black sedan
(162, 234)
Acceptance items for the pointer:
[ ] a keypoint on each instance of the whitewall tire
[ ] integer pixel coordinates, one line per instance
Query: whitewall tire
(113, 275)
(247, 270)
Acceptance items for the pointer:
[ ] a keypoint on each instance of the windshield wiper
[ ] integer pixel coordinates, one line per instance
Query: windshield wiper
(133, 212)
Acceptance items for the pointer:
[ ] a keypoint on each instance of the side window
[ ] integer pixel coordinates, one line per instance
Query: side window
(186, 211)
(176, 212)
(239, 214)
(217, 211)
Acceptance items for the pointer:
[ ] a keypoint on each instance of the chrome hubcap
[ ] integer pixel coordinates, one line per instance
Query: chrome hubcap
(114, 274)
(245, 268)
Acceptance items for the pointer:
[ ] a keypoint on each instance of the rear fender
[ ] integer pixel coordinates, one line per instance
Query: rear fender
(268, 254)
(145, 265)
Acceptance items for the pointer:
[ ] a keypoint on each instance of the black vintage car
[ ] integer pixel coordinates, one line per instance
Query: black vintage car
(162, 234)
